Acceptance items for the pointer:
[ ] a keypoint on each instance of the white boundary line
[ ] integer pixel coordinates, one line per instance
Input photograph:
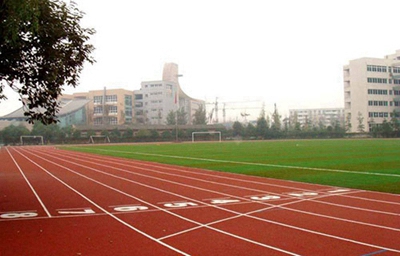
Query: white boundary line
(30, 185)
(312, 199)
(256, 164)
(102, 209)
(183, 169)
(241, 214)
(229, 185)
(153, 205)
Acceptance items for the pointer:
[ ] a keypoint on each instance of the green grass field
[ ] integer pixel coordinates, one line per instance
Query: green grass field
(363, 164)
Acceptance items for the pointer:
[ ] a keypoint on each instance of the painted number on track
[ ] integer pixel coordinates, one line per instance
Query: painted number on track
(224, 201)
(13, 215)
(83, 211)
(301, 194)
(130, 208)
(177, 205)
(264, 198)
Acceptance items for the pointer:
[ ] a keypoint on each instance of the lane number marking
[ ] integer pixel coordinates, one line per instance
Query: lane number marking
(130, 208)
(265, 198)
(83, 211)
(14, 215)
(181, 204)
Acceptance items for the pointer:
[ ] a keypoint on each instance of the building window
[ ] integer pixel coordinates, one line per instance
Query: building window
(98, 99)
(113, 120)
(111, 98)
(373, 68)
(377, 80)
(98, 110)
(377, 91)
(98, 121)
(113, 110)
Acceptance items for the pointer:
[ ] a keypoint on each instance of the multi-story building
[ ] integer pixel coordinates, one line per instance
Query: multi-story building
(156, 99)
(318, 116)
(108, 106)
(73, 111)
(371, 91)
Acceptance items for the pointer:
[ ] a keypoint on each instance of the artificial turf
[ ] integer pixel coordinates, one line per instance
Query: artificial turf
(370, 164)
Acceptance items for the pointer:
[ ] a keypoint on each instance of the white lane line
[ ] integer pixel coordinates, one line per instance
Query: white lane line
(209, 173)
(238, 213)
(256, 164)
(157, 207)
(30, 185)
(234, 186)
(104, 210)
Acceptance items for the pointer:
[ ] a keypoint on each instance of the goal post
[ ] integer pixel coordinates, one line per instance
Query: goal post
(99, 138)
(210, 133)
(31, 140)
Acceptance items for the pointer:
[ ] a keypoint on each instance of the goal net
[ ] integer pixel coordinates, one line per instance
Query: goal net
(206, 136)
(31, 140)
(99, 139)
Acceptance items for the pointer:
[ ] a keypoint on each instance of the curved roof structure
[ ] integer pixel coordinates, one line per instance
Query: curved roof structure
(66, 107)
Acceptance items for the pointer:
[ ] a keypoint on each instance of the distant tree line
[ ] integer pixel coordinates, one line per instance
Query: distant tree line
(265, 127)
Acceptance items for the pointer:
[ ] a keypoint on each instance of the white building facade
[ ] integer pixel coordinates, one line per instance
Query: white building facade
(156, 99)
(318, 116)
(371, 91)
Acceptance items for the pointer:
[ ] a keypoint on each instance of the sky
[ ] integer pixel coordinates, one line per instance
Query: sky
(289, 52)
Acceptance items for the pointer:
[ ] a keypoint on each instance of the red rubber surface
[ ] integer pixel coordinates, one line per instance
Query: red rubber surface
(55, 202)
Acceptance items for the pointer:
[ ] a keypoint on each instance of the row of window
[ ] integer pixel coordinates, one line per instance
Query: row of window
(109, 120)
(375, 68)
(378, 114)
(378, 91)
(111, 110)
(383, 92)
(152, 85)
(382, 80)
(377, 80)
(109, 99)
(377, 103)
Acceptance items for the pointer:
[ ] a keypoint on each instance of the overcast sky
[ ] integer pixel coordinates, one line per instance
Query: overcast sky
(287, 52)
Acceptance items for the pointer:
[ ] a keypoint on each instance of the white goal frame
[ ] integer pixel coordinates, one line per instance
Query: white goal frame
(106, 138)
(31, 136)
(194, 133)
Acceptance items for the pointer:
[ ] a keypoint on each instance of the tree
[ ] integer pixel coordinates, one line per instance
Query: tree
(360, 119)
(171, 118)
(182, 116)
(347, 125)
(199, 116)
(262, 124)
(238, 129)
(395, 123)
(42, 49)
(276, 120)
(250, 130)
(11, 134)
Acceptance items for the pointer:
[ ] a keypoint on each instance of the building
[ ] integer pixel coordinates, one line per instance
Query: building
(73, 111)
(108, 106)
(371, 91)
(156, 99)
(111, 107)
(317, 117)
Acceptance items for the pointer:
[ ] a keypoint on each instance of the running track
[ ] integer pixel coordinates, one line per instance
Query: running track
(55, 202)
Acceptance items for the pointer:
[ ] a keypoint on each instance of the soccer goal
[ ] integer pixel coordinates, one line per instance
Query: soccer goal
(99, 139)
(206, 136)
(31, 140)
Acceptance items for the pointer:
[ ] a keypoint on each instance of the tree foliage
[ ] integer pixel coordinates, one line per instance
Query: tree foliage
(42, 49)
(199, 117)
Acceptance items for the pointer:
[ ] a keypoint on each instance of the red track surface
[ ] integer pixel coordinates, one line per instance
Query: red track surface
(55, 202)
